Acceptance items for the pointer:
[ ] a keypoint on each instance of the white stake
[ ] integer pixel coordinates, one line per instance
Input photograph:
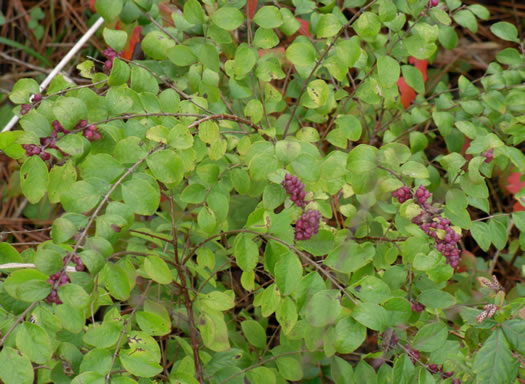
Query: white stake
(91, 31)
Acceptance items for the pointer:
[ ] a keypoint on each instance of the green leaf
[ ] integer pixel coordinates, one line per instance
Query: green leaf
(435, 298)
(430, 337)
(505, 31)
(466, 19)
(301, 53)
(115, 39)
(60, 179)
(480, 11)
(102, 166)
(265, 38)
(180, 137)
(15, 368)
(388, 70)
(371, 316)
(22, 91)
(415, 170)
(425, 261)
(373, 290)
(119, 73)
(254, 332)
(103, 335)
(81, 197)
(8, 254)
(33, 341)
(414, 78)
(108, 9)
(157, 269)
(34, 179)
(181, 55)
(166, 166)
(323, 308)
(349, 335)
(116, 281)
(268, 17)
(142, 194)
(73, 295)
(193, 12)
(48, 260)
(403, 370)
(288, 273)
(97, 360)
(27, 285)
(362, 164)
(367, 25)
(286, 314)
(35, 123)
(228, 18)
(157, 44)
(328, 25)
(498, 231)
(514, 330)
(246, 252)
(154, 324)
(494, 362)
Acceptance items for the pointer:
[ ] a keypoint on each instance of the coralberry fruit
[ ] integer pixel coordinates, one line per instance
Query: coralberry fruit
(402, 194)
(24, 109)
(489, 155)
(295, 188)
(307, 225)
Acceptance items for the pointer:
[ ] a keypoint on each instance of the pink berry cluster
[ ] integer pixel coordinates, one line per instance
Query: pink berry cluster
(295, 188)
(90, 131)
(53, 296)
(433, 3)
(489, 155)
(110, 55)
(35, 99)
(417, 307)
(402, 194)
(307, 225)
(433, 224)
(434, 368)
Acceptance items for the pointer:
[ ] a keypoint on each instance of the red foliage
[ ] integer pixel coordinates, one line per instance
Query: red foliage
(514, 185)
(406, 92)
(92, 5)
(251, 7)
(305, 27)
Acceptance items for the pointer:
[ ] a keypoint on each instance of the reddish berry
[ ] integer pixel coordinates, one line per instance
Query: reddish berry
(45, 156)
(307, 225)
(24, 109)
(295, 188)
(36, 98)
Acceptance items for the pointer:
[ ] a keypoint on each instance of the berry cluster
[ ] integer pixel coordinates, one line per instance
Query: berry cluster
(489, 155)
(402, 194)
(433, 224)
(53, 296)
(307, 225)
(413, 354)
(295, 188)
(110, 55)
(417, 307)
(35, 99)
(90, 131)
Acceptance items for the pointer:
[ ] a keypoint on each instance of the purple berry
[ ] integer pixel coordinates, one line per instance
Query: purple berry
(108, 64)
(45, 156)
(489, 155)
(307, 225)
(36, 98)
(456, 381)
(82, 124)
(109, 53)
(24, 109)
(295, 188)
(433, 368)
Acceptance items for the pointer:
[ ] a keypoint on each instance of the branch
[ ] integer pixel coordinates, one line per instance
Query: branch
(187, 301)
(319, 62)
(99, 208)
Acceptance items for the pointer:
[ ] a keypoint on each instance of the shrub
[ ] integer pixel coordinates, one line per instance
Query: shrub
(277, 192)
